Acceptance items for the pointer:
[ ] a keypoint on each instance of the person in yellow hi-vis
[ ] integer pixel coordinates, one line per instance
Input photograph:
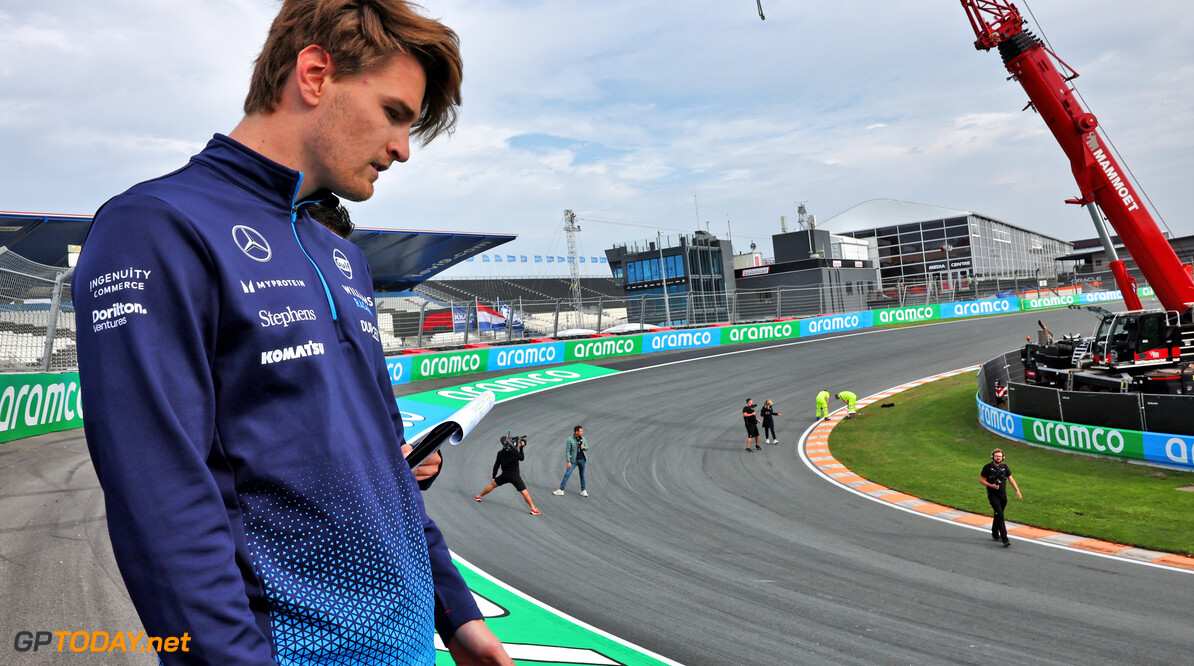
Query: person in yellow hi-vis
(848, 398)
(823, 404)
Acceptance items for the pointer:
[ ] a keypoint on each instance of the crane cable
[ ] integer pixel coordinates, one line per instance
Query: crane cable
(1122, 162)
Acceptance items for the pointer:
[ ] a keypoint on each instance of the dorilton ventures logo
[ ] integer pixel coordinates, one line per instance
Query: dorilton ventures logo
(252, 243)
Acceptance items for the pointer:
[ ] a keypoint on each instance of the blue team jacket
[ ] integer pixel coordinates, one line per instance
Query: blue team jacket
(243, 427)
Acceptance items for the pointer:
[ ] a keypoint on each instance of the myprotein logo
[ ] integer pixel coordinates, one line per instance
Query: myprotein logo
(284, 318)
(252, 243)
(253, 286)
(604, 347)
(759, 332)
(526, 355)
(669, 340)
(450, 364)
(835, 323)
(342, 263)
(979, 308)
(1000, 421)
(1081, 437)
(902, 315)
(283, 354)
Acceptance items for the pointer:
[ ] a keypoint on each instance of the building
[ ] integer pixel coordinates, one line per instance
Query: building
(697, 270)
(917, 243)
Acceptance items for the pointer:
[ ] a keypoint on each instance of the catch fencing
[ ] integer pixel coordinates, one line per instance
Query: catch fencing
(37, 323)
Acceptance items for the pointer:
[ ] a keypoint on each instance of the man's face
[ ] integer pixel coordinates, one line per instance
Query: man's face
(364, 126)
(749, 402)
(998, 457)
(580, 432)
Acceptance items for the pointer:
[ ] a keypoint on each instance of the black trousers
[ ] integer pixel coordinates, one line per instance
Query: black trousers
(998, 502)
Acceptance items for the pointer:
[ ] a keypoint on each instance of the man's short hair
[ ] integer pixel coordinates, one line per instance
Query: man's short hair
(360, 36)
(576, 428)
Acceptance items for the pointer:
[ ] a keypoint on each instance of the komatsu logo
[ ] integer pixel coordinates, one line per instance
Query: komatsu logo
(981, 308)
(1117, 182)
(312, 348)
(829, 324)
(1078, 436)
(763, 332)
(604, 348)
(905, 314)
(449, 365)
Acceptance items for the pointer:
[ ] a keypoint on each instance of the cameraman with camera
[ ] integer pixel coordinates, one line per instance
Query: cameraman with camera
(507, 461)
(995, 476)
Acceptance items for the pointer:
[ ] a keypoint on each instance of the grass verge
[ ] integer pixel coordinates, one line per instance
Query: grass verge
(930, 445)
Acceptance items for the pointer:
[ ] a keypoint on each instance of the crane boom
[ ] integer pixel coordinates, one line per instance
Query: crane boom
(1101, 180)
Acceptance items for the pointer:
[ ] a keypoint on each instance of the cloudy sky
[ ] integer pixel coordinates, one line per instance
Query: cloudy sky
(639, 115)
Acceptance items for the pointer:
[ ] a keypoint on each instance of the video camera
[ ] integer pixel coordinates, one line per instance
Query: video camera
(512, 441)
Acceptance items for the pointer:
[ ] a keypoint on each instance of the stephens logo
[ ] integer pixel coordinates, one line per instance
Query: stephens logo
(284, 318)
(342, 263)
(252, 243)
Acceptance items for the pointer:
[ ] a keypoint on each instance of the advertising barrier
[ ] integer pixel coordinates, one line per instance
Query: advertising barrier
(987, 306)
(522, 356)
(835, 323)
(781, 330)
(1049, 302)
(507, 387)
(904, 315)
(449, 364)
(399, 369)
(670, 340)
(34, 404)
(580, 350)
(1166, 449)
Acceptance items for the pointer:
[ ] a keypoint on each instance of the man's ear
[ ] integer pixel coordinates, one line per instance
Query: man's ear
(313, 73)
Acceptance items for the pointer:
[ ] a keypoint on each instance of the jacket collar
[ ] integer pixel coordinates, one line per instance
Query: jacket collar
(260, 175)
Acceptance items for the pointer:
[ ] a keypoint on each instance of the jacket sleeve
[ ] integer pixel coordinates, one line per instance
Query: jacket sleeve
(497, 463)
(454, 603)
(145, 355)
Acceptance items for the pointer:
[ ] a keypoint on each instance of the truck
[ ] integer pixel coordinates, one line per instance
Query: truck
(1145, 350)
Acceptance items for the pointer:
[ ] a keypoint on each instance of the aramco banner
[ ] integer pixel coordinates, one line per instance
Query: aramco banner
(34, 404)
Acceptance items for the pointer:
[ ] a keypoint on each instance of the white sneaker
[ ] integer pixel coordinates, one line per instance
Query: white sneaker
(557, 491)
(766, 441)
(584, 493)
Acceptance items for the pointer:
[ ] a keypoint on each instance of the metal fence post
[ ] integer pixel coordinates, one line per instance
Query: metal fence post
(52, 324)
(556, 332)
(642, 312)
(600, 311)
(422, 319)
(779, 298)
(466, 322)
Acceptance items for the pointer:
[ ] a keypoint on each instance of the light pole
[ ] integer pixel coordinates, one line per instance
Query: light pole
(667, 308)
(949, 275)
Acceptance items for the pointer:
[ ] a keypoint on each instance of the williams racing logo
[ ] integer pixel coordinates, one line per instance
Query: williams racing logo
(312, 348)
(342, 263)
(252, 243)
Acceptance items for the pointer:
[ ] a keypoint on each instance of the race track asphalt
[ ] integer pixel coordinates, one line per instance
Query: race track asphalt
(689, 546)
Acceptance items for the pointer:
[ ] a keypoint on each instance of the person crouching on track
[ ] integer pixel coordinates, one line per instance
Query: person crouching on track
(768, 413)
(848, 398)
(508, 460)
(823, 404)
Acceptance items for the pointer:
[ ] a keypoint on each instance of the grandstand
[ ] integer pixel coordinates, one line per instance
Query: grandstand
(538, 294)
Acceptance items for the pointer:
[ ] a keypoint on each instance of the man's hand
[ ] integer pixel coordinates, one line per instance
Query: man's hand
(474, 644)
(568, 465)
(428, 468)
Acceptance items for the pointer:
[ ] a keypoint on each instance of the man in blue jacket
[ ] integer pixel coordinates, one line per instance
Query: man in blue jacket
(239, 413)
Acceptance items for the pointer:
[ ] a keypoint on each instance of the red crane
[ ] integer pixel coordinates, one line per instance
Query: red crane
(1000, 25)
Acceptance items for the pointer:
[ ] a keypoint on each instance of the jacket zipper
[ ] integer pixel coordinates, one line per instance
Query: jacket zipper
(293, 227)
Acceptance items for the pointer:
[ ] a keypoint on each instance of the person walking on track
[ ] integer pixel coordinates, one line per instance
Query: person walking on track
(995, 476)
(752, 425)
(576, 454)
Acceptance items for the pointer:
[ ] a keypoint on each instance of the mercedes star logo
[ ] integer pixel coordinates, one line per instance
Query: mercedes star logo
(251, 242)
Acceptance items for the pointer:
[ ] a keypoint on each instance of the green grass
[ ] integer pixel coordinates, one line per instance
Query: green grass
(930, 445)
